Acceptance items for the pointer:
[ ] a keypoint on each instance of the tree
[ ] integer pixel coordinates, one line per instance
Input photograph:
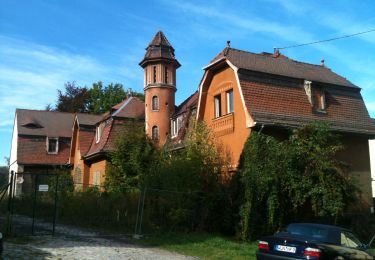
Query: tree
(103, 98)
(132, 158)
(74, 99)
(298, 179)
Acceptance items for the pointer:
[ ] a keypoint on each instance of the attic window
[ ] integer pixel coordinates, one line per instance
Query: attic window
(322, 100)
(98, 132)
(230, 101)
(52, 145)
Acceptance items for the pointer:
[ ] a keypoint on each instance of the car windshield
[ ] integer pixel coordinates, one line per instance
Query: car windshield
(313, 232)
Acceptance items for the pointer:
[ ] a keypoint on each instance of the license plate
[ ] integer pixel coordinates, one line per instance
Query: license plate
(288, 249)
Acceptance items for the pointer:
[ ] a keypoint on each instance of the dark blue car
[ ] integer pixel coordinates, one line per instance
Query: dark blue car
(313, 241)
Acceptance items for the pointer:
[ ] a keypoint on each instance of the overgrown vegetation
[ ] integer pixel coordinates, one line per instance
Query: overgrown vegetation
(298, 179)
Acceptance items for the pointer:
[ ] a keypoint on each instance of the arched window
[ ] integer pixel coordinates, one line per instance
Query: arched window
(155, 103)
(155, 133)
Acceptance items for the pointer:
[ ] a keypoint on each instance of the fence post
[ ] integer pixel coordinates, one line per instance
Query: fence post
(34, 204)
(143, 206)
(138, 209)
(9, 222)
(55, 209)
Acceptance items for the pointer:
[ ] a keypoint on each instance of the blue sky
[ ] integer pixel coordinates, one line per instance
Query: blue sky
(44, 44)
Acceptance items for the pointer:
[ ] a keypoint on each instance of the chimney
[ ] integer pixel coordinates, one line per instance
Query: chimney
(276, 52)
(322, 62)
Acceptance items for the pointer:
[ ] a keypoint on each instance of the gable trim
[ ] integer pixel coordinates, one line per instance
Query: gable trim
(249, 120)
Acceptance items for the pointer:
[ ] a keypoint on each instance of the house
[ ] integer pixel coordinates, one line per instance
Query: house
(94, 137)
(40, 144)
(241, 92)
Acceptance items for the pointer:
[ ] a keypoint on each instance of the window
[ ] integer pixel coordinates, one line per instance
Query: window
(155, 133)
(52, 145)
(230, 105)
(155, 103)
(97, 134)
(174, 127)
(96, 178)
(322, 100)
(154, 74)
(349, 240)
(77, 176)
(217, 106)
(166, 74)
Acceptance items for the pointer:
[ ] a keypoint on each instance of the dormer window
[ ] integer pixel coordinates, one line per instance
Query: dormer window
(52, 145)
(98, 132)
(322, 100)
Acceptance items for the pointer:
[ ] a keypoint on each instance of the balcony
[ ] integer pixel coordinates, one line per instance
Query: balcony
(223, 125)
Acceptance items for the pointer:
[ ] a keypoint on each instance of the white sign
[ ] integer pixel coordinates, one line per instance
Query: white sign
(43, 187)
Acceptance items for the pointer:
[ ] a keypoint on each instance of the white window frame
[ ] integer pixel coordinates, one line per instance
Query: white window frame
(98, 134)
(174, 127)
(217, 104)
(57, 145)
(230, 101)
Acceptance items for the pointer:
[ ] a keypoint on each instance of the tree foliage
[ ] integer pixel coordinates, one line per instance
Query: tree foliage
(296, 179)
(95, 100)
(130, 161)
(103, 98)
(73, 99)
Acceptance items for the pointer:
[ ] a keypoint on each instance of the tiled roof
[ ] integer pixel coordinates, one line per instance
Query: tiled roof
(131, 107)
(44, 123)
(159, 48)
(284, 105)
(281, 65)
(88, 119)
(85, 139)
(32, 150)
(187, 104)
(115, 123)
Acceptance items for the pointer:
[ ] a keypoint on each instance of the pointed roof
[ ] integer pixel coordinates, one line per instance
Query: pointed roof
(159, 49)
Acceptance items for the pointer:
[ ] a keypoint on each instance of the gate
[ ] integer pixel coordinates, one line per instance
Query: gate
(32, 206)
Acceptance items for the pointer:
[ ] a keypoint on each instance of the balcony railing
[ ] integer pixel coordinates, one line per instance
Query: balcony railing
(223, 125)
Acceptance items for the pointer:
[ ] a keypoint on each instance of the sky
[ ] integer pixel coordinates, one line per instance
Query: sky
(46, 43)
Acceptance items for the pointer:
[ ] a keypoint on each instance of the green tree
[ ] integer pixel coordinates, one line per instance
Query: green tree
(296, 179)
(103, 98)
(131, 160)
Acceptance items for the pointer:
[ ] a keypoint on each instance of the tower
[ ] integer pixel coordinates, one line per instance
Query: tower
(160, 65)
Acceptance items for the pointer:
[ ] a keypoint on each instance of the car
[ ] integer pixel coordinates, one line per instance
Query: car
(313, 241)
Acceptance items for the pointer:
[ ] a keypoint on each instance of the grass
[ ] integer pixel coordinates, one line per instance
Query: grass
(204, 246)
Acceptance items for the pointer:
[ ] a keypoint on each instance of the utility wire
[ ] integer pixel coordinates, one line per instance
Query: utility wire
(327, 40)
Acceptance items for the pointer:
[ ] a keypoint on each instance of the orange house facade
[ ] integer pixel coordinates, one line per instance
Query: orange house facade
(241, 92)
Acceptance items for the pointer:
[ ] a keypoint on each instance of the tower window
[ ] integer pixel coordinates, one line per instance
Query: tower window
(230, 105)
(155, 133)
(155, 103)
(217, 106)
(154, 74)
(166, 74)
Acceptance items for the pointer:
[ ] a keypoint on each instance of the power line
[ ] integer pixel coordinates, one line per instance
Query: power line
(327, 40)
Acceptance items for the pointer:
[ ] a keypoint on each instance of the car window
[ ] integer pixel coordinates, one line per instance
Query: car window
(313, 232)
(349, 240)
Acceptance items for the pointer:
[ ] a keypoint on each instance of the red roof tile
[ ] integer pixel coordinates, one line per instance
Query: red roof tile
(53, 124)
(281, 65)
(283, 105)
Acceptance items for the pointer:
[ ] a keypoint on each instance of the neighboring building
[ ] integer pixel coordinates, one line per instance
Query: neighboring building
(159, 64)
(40, 144)
(95, 136)
(243, 92)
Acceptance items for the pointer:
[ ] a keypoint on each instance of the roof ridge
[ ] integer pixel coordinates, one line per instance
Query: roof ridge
(37, 110)
(122, 106)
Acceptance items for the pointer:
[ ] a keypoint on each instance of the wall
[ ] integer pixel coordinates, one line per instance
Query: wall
(230, 129)
(372, 164)
(357, 155)
(98, 166)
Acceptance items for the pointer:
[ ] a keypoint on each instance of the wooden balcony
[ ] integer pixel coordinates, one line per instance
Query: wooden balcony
(223, 125)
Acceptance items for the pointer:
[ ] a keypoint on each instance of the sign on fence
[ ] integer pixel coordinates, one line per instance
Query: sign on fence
(43, 187)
